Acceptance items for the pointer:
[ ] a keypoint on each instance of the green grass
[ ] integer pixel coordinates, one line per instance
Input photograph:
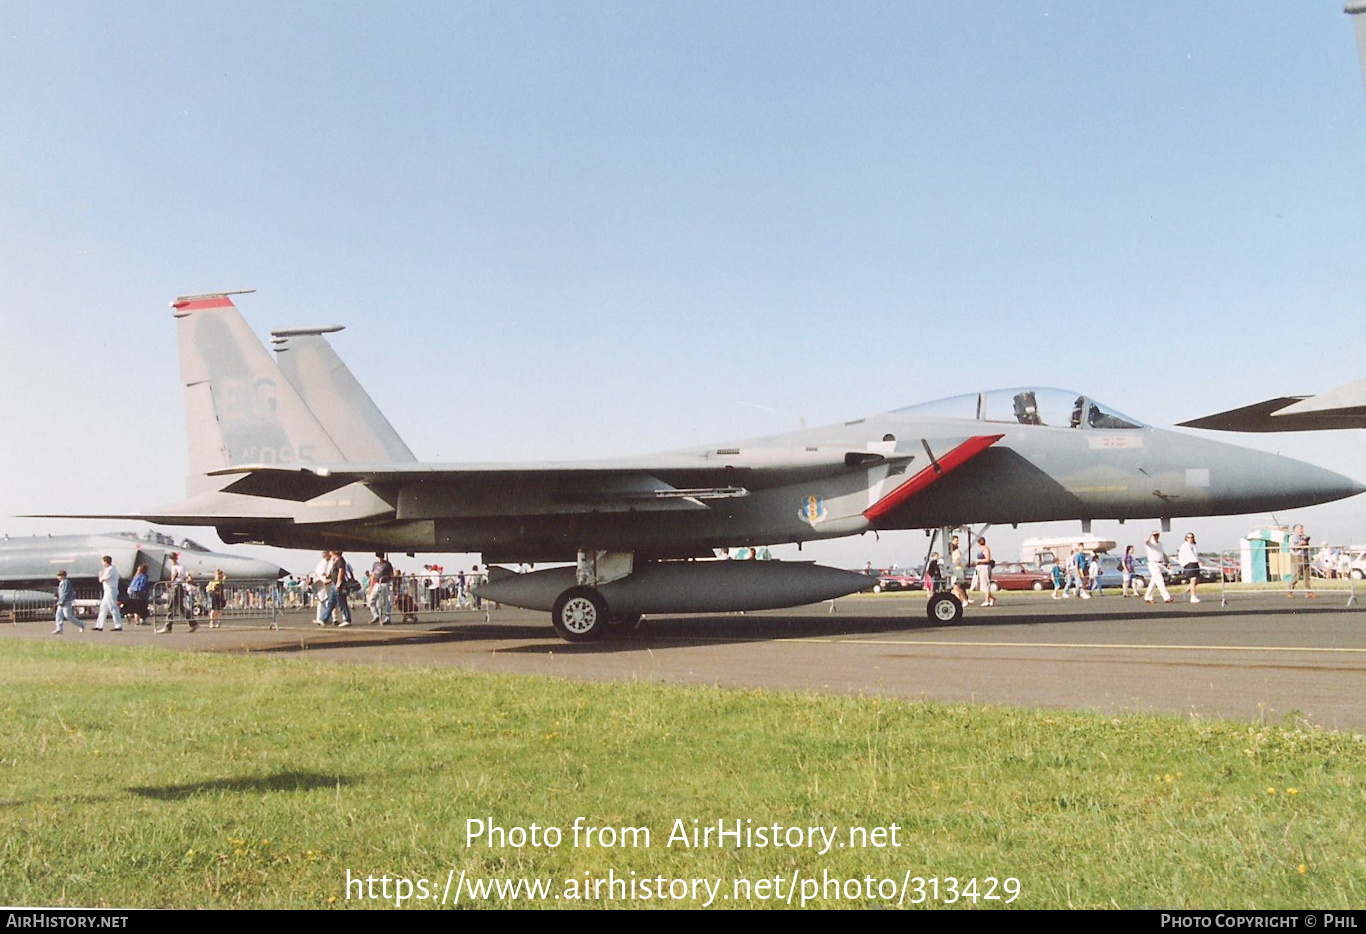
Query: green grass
(149, 778)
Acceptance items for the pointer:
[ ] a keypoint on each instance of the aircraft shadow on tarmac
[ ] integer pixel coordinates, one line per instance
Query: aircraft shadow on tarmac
(664, 633)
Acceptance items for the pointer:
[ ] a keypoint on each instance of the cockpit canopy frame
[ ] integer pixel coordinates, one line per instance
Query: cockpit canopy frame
(1058, 408)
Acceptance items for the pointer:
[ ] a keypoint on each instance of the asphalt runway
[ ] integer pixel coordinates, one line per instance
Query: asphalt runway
(1260, 658)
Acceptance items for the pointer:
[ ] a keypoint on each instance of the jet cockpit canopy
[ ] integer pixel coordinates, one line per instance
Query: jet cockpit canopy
(1056, 407)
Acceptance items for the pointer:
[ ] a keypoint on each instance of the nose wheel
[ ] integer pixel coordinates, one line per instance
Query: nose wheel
(944, 608)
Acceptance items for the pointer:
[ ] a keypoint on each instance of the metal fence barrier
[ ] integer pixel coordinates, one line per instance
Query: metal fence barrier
(411, 599)
(1325, 571)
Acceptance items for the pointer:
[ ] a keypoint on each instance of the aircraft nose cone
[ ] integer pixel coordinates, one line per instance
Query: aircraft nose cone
(1307, 485)
(1222, 479)
(1330, 486)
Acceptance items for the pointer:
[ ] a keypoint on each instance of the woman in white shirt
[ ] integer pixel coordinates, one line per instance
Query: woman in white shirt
(1189, 559)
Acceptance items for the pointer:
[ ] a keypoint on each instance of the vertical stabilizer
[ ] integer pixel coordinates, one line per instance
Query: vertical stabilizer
(336, 398)
(239, 408)
(1357, 10)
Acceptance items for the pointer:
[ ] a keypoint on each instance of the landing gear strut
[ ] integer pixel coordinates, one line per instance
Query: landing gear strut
(580, 614)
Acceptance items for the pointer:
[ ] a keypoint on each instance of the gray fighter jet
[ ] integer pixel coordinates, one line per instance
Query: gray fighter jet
(1340, 408)
(297, 455)
(31, 563)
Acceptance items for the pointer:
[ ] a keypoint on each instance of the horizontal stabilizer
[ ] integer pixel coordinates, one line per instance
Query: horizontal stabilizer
(348, 502)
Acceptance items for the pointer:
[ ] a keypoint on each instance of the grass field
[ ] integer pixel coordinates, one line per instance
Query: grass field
(151, 778)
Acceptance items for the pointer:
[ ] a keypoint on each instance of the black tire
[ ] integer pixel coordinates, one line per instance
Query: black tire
(995, 587)
(944, 608)
(1038, 585)
(580, 615)
(1137, 583)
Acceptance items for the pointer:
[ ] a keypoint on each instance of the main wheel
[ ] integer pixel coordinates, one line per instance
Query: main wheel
(1038, 585)
(995, 587)
(944, 608)
(580, 615)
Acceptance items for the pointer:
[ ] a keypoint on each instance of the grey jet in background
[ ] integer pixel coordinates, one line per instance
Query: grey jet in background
(296, 454)
(29, 564)
(1343, 407)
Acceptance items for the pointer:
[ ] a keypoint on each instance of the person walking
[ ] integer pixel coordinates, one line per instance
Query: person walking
(1126, 568)
(957, 572)
(1157, 564)
(139, 592)
(177, 585)
(1077, 573)
(1299, 558)
(930, 580)
(1189, 559)
(109, 601)
(322, 578)
(175, 591)
(344, 584)
(218, 598)
(1059, 577)
(381, 596)
(981, 575)
(66, 605)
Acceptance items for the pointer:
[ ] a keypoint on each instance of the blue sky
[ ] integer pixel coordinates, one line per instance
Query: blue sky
(558, 230)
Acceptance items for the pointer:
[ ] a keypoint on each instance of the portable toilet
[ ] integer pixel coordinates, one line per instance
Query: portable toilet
(1265, 555)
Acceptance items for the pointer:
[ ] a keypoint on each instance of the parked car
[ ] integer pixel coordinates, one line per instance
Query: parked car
(1112, 576)
(1209, 570)
(1015, 576)
(896, 579)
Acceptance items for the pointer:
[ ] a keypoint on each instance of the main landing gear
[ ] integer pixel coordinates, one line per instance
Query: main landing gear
(581, 613)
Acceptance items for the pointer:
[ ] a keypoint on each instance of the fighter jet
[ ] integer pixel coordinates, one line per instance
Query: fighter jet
(1343, 407)
(296, 457)
(31, 563)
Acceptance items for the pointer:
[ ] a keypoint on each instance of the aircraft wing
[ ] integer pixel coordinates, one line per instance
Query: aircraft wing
(679, 481)
(1285, 413)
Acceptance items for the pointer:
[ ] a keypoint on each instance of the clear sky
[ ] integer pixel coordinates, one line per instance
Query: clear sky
(560, 230)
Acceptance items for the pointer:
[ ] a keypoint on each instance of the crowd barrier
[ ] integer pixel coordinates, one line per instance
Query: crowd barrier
(1328, 571)
(412, 599)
